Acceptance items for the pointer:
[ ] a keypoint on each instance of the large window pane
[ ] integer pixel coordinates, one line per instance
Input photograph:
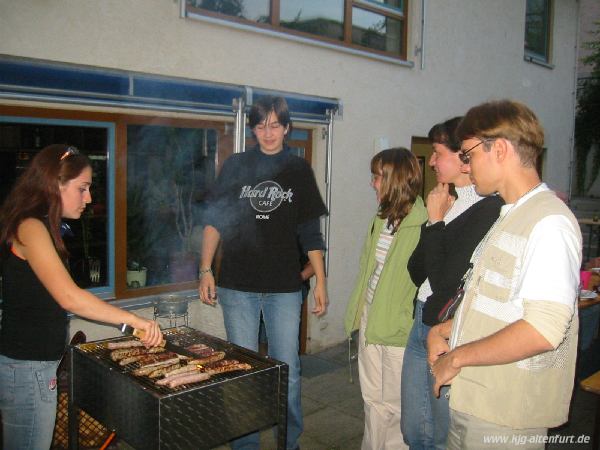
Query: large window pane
(86, 238)
(537, 26)
(255, 10)
(323, 18)
(169, 172)
(376, 31)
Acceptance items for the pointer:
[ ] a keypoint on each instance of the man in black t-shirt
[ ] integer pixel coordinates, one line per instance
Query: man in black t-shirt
(265, 200)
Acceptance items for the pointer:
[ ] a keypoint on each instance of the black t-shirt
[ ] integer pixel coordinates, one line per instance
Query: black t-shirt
(34, 326)
(257, 204)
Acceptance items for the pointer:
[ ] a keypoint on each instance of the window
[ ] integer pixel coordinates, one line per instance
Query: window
(88, 239)
(164, 217)
(538, 30)
(377, 26)
(142, 233)
(314, 17)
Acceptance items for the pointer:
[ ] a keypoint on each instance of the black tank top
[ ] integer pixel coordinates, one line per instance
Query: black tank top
(34, 326)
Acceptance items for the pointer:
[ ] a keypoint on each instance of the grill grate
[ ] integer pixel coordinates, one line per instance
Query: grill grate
(180, 337)
(195, 416)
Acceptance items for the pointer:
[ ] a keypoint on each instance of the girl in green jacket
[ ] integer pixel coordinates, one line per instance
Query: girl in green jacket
(381, 304)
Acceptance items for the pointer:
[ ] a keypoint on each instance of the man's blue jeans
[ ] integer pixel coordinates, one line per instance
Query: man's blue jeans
(281, 314)
(425, 419)
(28, 403)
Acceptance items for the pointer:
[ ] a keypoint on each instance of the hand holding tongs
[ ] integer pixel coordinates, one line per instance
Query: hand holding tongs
(128, 330)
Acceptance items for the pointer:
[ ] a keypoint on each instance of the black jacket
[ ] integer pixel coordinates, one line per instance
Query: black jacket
(444, 251)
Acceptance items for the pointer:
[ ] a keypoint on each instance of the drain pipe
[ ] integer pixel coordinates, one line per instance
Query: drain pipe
(573, 162)
(422, 49)
(328, 170)
(239, 108)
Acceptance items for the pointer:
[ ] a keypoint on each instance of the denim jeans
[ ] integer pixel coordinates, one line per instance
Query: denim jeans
(281, 314)
(28, 402)
(425, 418)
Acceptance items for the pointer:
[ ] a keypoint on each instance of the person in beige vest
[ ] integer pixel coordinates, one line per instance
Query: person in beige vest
(509, 353)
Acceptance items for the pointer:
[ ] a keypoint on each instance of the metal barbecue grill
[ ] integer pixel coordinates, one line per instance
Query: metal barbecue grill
(195, 416)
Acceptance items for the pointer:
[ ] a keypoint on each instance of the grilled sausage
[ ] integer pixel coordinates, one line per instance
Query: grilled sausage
(124, 344)
(161, 370)
(166, 380)
(195, 377)
(221, 363)
(229, 368)
(129, 343)
(194, 363)
(122, 353)
(196, 347)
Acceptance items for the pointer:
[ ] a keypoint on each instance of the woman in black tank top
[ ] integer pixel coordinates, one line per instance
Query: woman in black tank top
(38, 292)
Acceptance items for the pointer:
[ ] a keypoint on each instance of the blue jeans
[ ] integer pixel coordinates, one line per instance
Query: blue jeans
(425, 418)
(28, 402)
(281, 314)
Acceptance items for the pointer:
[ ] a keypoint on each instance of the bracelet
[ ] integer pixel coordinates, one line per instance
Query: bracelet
(203, 271)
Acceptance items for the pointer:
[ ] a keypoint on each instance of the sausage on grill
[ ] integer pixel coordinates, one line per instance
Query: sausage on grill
(124, 344)
(129, 343)
(195, 377)
(194, 363)
(161, 370)
(146, 370)
(174, 380)
(123, 353)
(229, 368)
(158, 360)
(221, 363)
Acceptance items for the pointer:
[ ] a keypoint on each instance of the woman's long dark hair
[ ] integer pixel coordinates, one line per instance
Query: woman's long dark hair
(36, 193)
(400, 183)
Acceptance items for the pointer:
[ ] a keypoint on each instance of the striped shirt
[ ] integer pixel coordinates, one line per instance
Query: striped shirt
(381, 250)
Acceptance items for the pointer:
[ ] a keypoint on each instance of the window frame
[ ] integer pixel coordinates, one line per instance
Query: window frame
(116, 125)
(274, 25)
(535, 57)
(55, 117)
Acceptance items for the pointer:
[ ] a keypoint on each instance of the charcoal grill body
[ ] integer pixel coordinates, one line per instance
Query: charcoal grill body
(198, 416)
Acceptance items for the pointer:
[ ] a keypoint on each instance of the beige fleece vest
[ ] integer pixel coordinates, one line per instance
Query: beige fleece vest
(531, 393)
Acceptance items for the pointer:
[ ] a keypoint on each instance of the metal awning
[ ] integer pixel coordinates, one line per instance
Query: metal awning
(32, 79)
(47, 81)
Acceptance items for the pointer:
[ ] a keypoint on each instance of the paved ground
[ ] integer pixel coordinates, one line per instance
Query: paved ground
(333, 414)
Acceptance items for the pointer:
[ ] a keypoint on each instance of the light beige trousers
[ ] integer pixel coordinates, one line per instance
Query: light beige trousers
(380, 373)
(471, 433)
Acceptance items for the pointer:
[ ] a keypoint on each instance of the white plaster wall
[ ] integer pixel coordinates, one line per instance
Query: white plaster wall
(473, 52)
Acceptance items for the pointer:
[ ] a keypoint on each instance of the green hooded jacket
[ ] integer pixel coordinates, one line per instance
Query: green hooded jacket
(390, 314)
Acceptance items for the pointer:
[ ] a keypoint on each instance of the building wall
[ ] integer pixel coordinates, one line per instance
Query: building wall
(473, 52)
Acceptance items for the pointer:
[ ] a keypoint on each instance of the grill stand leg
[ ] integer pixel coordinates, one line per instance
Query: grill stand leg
(282, 419)
(72, 409)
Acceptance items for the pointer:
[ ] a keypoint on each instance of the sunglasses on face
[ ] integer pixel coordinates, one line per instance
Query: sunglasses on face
(464, 156)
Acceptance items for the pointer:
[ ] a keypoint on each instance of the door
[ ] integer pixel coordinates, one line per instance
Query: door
(421, 147)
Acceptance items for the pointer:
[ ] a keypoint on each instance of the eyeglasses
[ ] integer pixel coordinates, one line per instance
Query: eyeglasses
(261, 127)
(70, 151)
(464, 156)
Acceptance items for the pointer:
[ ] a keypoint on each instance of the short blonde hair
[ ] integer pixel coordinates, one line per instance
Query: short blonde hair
(509, 120)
